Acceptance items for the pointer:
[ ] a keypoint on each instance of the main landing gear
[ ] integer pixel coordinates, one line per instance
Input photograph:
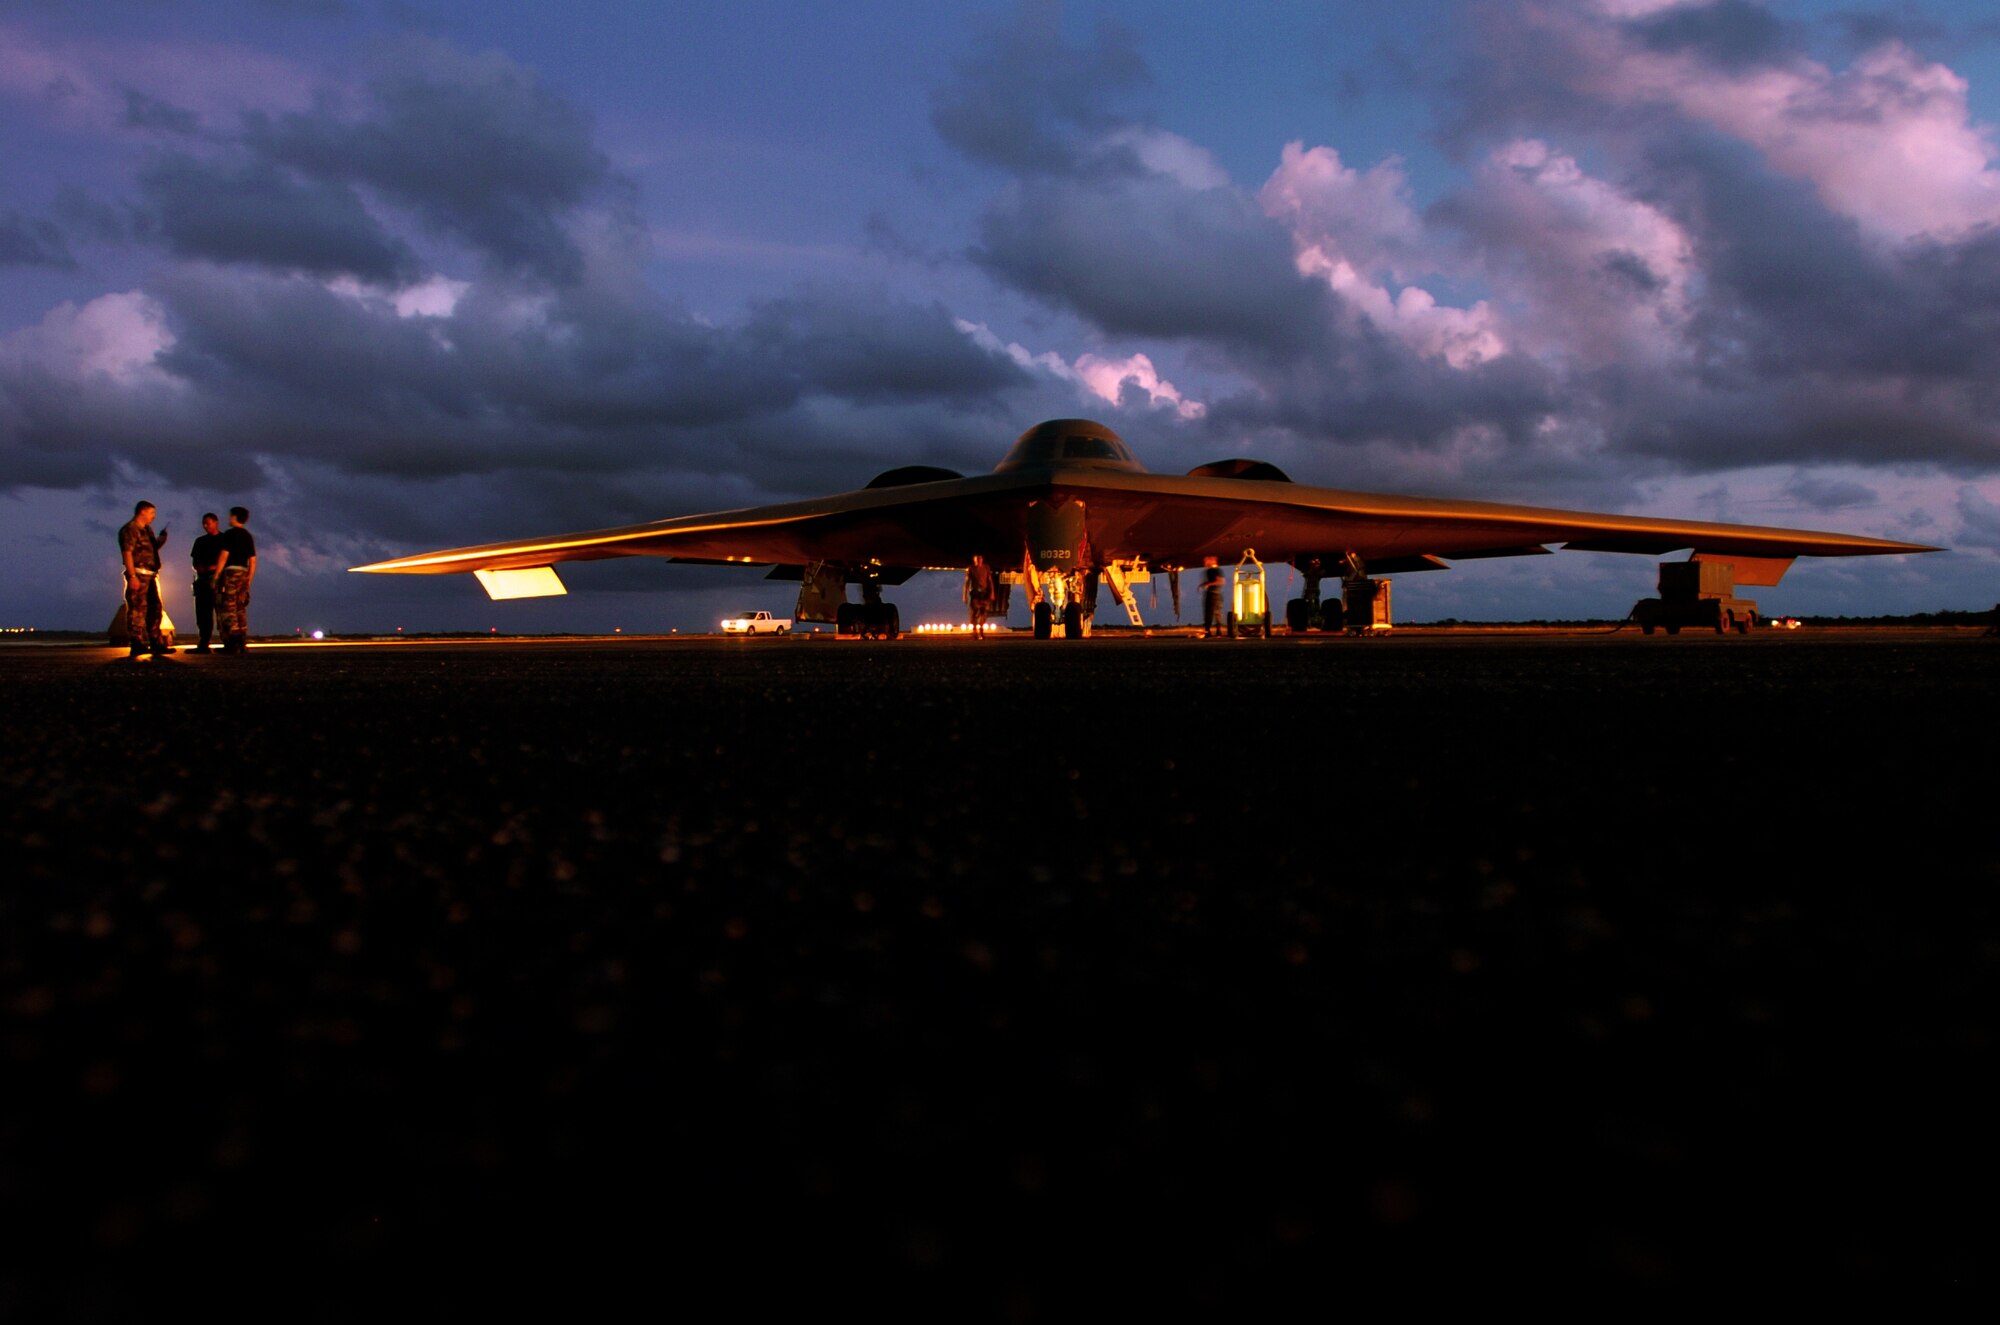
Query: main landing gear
(1361, 609)
(871, 618)
(868, 620)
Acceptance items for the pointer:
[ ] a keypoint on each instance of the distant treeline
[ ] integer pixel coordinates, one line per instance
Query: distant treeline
(1941, 618)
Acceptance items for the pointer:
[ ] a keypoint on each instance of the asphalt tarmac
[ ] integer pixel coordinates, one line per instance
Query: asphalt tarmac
(1007, 981)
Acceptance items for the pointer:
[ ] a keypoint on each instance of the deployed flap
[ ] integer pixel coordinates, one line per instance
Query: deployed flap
(794, 574)
(1404, 565)
(533, 582)
(1651, 545)
(1751, 570)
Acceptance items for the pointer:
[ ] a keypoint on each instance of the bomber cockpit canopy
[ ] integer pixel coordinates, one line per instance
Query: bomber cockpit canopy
(1076, 442)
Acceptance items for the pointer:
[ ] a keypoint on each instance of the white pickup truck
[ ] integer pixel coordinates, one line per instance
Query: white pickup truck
(756, 623)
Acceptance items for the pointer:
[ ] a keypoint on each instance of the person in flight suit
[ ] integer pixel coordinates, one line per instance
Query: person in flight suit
(234, 570)
(206, 552)
(979, 593)
(1211, 598)
(139, 548)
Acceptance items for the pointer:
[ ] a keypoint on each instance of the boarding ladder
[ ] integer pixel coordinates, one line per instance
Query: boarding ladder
(1122, 587)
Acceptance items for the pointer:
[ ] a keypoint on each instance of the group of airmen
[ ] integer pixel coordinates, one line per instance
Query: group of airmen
(225, 564)
(985, 595)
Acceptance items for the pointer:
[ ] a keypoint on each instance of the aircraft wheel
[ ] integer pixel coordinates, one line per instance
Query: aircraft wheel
(1297, 619)
(1045, 617)
(892, 622)
(1673, 630)
(1073, 621)
(844, 622)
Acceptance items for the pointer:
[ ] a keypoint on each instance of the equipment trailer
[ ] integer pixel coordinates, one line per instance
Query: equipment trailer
(1696, 593)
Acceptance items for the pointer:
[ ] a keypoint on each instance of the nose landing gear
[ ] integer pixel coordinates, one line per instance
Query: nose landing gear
(1059, 600)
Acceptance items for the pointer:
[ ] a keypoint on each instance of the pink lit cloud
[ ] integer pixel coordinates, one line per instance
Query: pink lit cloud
(1889, 140)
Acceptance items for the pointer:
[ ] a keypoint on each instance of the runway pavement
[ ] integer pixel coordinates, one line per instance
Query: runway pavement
(1016, 980)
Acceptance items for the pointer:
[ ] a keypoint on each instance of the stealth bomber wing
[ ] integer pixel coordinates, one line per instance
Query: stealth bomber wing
(1070, 500)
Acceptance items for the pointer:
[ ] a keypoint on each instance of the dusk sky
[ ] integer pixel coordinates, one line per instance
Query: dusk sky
(409, 274)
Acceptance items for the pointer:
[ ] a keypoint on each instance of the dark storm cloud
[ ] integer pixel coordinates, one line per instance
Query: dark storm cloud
(1830, 494)
(1150, 256)
(1724, 315)
(1732, 34)
(554, 387)
(88, 217)
(1135, 231)
(1810, 341)
(1950, 314)
(26, 242)
(1505, 76)
(1863, 29)
(474, 145)
(1029, 102)
(1808, 333)
(64, 425)
(258, 213)
(511, 387)
(1979, 522)
(1788, 282)
(869, 347)
(151, 113)
(507, 378)
(1361, 386)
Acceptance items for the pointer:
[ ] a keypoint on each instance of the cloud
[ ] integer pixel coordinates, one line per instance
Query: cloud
(423, 299)
(1147, 256)
(298, 338)
(1308, 290)
(1729, 34)
(146, 87)
(1888, 142)
(1830, 494)
(257, 213)
(1029, 102)
(1134, 377)
(149, 112)
(476, 146)
(866, 346)
(1132, 381)
(1356, 231)
(33, 243)
(1362, 217)
(114, 340)
(1979, 521)
(84, 387)
(222, 377)
(1585, 271)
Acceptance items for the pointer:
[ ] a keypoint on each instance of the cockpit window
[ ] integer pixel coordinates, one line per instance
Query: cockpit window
(1093, 448)
(1073, 442)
